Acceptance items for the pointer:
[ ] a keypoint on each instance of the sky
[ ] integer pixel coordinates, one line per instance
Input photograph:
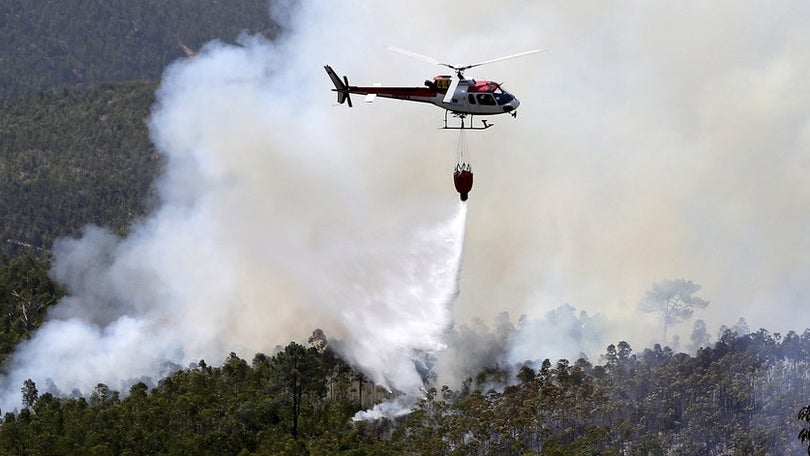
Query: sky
(654, 142)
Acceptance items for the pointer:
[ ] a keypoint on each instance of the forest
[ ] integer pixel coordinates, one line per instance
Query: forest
(77, 82)
(69, 157)
(53, 44)
(740, 396)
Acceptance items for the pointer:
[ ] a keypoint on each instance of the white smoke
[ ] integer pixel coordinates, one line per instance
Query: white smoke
(655, 140)
(270, 224)
(561, 332)
(397, 406)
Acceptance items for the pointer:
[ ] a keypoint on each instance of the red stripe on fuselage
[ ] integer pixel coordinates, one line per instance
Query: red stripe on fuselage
(405, 93)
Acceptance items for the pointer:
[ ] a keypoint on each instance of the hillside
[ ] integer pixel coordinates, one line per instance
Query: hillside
(70, 157)
(53, 43)
(77, 81)
(739, 397)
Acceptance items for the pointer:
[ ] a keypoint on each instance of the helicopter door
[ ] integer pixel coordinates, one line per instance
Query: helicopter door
(471, 99)
(485, 99)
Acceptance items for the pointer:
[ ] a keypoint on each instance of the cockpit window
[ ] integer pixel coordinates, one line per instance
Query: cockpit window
(503, 98)
(485, 99)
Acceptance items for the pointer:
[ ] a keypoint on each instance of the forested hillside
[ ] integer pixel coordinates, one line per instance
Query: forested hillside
(54, 43)
(77, 81)
(69, 157)
(26, 293)
(739, 397)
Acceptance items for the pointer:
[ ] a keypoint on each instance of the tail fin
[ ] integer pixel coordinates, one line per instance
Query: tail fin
(341, 87)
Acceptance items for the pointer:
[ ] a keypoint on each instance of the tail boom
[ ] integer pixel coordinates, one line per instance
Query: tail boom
(418, 94)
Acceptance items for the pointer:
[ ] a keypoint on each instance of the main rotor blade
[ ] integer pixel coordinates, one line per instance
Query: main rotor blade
(535, 51)
(415, 55)
(448, 97)
(460, 68)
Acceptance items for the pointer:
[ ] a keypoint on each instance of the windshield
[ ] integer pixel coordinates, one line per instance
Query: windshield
(502, 97)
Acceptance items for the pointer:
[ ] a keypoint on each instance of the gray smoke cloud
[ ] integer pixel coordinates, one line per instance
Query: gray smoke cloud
(654, 141)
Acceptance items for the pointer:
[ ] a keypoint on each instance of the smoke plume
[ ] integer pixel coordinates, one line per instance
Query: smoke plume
(270, 224)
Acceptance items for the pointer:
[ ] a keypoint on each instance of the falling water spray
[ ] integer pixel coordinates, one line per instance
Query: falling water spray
(420, 302)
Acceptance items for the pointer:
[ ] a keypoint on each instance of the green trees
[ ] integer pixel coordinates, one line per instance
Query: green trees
(29, 393)
(26, 293)
(234, 409)
(297, 373)
(77, 81)
(738, 397)
(73, 157)
(725, 400)
(52, 43)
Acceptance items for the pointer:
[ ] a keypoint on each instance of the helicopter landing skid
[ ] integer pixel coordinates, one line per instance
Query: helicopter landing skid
(462, 126)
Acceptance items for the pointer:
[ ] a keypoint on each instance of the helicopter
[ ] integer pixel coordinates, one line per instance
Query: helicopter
(456, 94)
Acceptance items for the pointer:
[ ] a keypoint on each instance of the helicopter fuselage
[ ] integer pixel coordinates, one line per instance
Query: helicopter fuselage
(470, 96)
(473, 97)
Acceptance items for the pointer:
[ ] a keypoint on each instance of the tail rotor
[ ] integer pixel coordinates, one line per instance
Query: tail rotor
(346, 90)
(342, 87)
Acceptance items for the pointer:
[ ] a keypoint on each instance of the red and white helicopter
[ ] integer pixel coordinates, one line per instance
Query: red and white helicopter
(453, 93)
